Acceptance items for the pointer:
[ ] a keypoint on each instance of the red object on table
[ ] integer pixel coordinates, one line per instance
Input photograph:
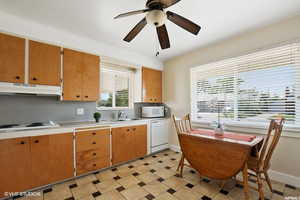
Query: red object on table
(234, 136)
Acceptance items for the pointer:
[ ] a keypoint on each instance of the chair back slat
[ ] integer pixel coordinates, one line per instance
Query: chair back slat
(274, 131)
(182, 124)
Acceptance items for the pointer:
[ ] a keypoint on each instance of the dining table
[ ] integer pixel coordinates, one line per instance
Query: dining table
(220, 156)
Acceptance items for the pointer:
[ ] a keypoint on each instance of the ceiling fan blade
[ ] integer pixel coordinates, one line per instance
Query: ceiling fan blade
(131, 35)
(168, 3)
(132, 13)
(183, 23)
(163, 37)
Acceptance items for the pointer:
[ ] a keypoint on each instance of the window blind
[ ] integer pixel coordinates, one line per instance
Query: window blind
(256, 87)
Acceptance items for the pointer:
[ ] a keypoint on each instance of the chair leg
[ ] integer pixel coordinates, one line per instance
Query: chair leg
(182, 165)
(179, 164)
(260, 187)
(268, 180)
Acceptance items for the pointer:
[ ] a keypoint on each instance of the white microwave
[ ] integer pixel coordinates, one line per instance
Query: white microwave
(153, 111)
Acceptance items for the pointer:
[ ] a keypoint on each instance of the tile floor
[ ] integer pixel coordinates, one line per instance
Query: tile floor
(154, 177)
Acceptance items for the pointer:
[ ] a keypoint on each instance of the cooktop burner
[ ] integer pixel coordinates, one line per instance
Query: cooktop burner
(8, 125)
(35, 124)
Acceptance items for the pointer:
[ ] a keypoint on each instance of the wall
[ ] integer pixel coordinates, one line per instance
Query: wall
(177, 81)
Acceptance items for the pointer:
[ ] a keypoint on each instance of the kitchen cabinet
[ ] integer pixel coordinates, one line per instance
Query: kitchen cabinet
(44, 64)
(81, 76)
(15, 167)
(128, 143)
(12, 59)
(151, 85)
(35, 161)
(51, 158)
(92, 150)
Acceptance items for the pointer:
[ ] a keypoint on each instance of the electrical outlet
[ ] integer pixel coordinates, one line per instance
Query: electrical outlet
(80, 111)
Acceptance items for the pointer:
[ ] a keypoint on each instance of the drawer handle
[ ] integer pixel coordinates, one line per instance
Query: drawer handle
(94, 133)
(17, 77)
(34, 78)
(77, 96)
(22, 142)
(36, 141)
(128, 129)
(86, 96)
(94, 165)
(94, 154)
(94, 143)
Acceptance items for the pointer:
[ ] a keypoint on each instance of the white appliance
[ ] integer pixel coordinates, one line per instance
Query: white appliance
(153, 111)
(159, 134)
(20, 88)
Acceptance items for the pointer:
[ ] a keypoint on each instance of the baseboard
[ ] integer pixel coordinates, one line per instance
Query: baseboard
(274, 175)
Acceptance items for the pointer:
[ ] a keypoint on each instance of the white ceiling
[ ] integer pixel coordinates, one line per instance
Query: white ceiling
(94, 19)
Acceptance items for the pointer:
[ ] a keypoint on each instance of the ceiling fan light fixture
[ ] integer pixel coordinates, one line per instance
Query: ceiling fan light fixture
(156, 17)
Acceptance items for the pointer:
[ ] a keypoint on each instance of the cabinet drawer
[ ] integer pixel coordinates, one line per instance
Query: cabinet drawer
(92, 165)
(92, 140)
(91, 154)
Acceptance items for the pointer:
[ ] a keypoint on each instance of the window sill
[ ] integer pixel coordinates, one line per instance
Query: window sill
(250, 127)
(107, 108)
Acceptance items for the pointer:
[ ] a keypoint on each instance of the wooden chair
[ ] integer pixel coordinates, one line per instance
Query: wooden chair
(260, 163)
(182, 125)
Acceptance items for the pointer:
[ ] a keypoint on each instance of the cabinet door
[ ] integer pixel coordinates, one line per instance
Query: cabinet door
(44, 64)
(152, 85)
(91, 77)
(140, 140)
(72, 75)
(15, 167)
(122, 145)
(12, 59)
(52, 158)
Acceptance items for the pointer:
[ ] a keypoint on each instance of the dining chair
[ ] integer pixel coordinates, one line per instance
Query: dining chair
(260, 163)
(182, 125)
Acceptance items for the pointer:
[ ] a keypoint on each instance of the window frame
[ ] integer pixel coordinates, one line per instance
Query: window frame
(131, 77)
(235, 122)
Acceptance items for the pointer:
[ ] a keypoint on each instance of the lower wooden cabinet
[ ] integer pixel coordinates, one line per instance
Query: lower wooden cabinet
(35, 161)
(15, 165)
(51, 158)
(92, 150)
(128, 143)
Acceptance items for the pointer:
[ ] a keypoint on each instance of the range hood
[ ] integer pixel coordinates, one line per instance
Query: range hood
(20, 88)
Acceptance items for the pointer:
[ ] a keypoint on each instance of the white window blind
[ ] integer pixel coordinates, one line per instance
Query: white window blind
(256, 87)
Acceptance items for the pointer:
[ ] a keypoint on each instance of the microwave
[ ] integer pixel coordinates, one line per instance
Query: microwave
(153, 111)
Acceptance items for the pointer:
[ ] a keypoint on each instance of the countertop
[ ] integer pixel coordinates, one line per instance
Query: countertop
(67, 127)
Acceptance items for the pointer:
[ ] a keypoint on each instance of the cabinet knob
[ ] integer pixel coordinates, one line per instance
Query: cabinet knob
(86, 96)
(22, 142)
(17, 77)
(94, 154)
(77, 96)
(94, 165)
(128, 129)
(34, 78)
(94, 133)
(94, 142)
(36, 141)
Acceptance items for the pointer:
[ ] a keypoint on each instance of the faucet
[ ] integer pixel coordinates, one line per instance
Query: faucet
(122, 115)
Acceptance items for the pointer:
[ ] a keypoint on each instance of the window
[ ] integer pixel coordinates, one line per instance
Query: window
(253, 88)
(116, 89)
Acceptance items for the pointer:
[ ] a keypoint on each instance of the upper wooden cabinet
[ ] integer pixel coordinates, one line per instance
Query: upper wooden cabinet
(81, 76)
(151, 85)
(12, 59)
(44, 64)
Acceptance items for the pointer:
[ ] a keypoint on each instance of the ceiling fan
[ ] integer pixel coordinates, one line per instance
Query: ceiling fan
(157, 16)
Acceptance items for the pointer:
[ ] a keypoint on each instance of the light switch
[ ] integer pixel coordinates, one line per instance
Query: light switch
(80, 111)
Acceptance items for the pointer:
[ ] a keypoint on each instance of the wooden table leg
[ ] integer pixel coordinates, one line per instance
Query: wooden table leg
(245, 180)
